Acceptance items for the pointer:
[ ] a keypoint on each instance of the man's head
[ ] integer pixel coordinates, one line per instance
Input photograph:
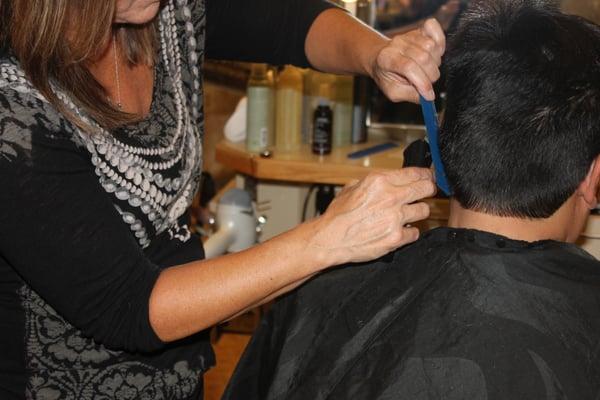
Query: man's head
(522, 126)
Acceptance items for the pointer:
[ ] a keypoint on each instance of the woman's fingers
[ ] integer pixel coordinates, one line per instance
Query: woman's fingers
(409, 235)
(432, 29)
(384, 191)
(414, 213)
(428, 62)
(397, 67)
(410, 63)
(404, 176)
(420, 190)
(368, 219)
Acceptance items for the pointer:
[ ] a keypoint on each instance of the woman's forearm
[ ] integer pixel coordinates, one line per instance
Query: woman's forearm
(338, 43)
(189, 298)
(274, 296)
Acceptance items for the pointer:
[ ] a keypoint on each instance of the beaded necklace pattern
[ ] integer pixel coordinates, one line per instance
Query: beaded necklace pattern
(153, 175)
(140, 175)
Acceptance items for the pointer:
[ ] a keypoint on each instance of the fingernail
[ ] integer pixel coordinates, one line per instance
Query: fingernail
(431, 95)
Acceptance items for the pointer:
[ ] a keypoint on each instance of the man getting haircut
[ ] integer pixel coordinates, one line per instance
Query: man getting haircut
(499, 305)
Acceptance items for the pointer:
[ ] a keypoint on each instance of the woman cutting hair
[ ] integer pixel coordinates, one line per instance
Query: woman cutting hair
(104, 292)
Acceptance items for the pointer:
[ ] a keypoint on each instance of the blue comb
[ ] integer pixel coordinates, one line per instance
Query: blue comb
(372, 150)
(431, 123)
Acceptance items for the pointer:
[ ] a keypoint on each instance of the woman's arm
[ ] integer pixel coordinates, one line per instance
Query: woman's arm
(316, 33)
(268, 31)
(338, 43)
(67, 241)
(366, 221)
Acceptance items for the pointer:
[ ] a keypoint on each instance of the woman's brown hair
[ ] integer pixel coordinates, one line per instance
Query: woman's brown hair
(55, 40)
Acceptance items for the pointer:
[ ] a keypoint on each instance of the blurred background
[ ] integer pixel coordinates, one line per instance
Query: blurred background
(587, 8)
(225, 83)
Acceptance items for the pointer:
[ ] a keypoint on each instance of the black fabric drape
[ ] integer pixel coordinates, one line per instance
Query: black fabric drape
(458, 315)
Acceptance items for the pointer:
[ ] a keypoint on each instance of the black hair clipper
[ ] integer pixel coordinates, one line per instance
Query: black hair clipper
(417, 154)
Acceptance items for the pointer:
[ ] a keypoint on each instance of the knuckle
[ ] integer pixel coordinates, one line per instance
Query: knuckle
(398, 41)
(408, 192)
(428, 44)
(422, 57)
(411, 174)
(393, 173)
(397, 237)
(424, 189)
(376, 178)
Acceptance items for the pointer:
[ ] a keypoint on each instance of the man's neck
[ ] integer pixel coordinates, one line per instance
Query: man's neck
(530, 230)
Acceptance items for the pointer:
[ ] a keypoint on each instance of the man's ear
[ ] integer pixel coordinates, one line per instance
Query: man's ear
(588, 189)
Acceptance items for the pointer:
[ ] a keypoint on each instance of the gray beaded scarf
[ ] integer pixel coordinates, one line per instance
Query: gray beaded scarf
(151, 168)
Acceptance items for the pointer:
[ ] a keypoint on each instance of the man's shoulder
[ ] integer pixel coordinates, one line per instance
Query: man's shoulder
(452, 254)
(578, 264)
(453, 313)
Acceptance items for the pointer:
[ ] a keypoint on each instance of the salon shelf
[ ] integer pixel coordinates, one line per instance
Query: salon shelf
(303, 166)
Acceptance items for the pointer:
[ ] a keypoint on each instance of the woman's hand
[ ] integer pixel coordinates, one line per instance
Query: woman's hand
(403, 66)
(367, 220)
(370, 218)
(409, 63)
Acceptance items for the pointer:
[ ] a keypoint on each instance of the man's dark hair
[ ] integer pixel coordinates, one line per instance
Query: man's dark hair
(522, 122)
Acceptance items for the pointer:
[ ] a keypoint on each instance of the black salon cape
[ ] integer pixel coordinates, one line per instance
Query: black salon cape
(460, 314)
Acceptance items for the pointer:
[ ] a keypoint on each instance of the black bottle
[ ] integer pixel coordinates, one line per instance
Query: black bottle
(322, 128)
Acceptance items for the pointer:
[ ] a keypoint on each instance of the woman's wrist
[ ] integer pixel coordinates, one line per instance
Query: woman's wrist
(370, 53)
(317, 257)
